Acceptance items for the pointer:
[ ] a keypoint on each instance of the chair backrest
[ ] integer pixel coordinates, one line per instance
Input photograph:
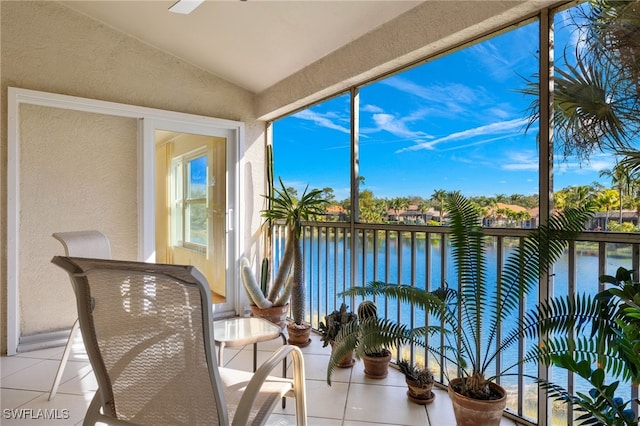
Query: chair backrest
(93, 244)
(148, 332)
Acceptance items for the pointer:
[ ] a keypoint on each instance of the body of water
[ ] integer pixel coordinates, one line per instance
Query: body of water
(328, 260)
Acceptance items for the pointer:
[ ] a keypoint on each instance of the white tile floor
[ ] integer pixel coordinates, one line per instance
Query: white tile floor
(352, 399)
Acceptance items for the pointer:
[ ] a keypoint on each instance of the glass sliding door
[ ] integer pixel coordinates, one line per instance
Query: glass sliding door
(192, 205)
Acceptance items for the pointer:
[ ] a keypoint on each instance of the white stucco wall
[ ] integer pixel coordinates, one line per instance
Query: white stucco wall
(79, 172)
(46, 46)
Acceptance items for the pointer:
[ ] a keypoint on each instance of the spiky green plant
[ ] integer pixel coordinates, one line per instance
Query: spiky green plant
(596, 101)
(369, 335)
(283, 206)
(415, 373)
(597, 338)
(470, 316)
(333, 322)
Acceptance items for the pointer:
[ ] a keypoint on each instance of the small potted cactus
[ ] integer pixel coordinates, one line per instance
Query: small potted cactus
(270, 304)
(370, 338)
(330, 328)
(419, 381)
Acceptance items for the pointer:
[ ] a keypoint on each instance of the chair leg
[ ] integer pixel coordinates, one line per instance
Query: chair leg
(299, 387)
(63, 361)
(92, 415)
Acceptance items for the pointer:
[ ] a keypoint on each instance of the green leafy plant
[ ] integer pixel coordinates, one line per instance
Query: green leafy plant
(470, 315)
(369, 335)
(599, 406)
(284, 206)
(585, 331)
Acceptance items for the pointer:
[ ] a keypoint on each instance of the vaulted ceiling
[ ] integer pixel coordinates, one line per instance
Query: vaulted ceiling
(291, 53)
(254, 43)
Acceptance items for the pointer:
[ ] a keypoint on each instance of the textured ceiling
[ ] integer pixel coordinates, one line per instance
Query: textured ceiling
(254, 43)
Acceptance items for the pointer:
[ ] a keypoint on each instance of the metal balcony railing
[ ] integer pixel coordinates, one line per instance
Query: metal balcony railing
(338, 256)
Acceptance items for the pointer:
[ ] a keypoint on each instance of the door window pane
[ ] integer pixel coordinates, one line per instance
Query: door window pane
(196, 211)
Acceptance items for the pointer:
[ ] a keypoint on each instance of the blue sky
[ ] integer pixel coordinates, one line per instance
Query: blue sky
(454, 123)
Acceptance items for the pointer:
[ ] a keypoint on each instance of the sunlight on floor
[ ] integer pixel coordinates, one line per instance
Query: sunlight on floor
(352, 400)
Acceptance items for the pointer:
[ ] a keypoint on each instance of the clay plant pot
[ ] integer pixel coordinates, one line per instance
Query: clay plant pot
(473, 412)
(419, 393)
(347, 361)
(275, 314)
(299, 334)
(376, 367)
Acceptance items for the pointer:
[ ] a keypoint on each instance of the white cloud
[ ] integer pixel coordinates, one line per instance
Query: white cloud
(595, 164)
(371, 108)
(519, 161)
(449, 97)
(397, 127)
(510, 127)
(322, 120)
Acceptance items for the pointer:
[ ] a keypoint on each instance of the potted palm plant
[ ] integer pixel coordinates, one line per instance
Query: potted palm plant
(470, 315)
(369, 338)
(284, 206)
(330, 327)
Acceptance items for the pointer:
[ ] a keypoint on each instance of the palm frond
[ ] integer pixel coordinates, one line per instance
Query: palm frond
(433, 302)
(467, 240)
(523, 270)
(346, 341)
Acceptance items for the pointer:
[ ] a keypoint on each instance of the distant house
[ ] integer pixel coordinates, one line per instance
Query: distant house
(600, 220)
(503, 215)
(336, 213)
(412, 215)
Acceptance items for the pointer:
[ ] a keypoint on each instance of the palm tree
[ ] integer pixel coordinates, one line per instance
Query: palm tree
(607, 200)
(580, 196)
(372, 210)
(396, 205)
(634, 196)
(596, 101)
(501, 198)
(560, 199)
(440, 196)
(423, 207)
(620, 178)
(516, 198)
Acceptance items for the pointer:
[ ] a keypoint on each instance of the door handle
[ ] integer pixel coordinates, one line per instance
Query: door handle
(229, 220)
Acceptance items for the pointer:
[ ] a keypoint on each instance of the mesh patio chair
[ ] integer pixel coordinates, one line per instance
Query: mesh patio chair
(148, 332)
(92, 244)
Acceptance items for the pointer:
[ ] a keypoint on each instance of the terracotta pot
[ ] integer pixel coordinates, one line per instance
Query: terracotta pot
(472, 412)
(347, 361)
(299, 334)
(418, 393)
(376, 367)
(275, 314)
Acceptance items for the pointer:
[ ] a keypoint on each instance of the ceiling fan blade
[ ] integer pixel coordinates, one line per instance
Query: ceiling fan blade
(185, 7)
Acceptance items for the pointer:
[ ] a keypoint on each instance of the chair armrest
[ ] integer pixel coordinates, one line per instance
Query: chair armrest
(253, 388)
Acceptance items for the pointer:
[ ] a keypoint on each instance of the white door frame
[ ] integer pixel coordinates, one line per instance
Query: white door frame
(148, 120)
(150, 125)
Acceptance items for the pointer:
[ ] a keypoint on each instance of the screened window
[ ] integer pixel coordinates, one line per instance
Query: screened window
(313, 149)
